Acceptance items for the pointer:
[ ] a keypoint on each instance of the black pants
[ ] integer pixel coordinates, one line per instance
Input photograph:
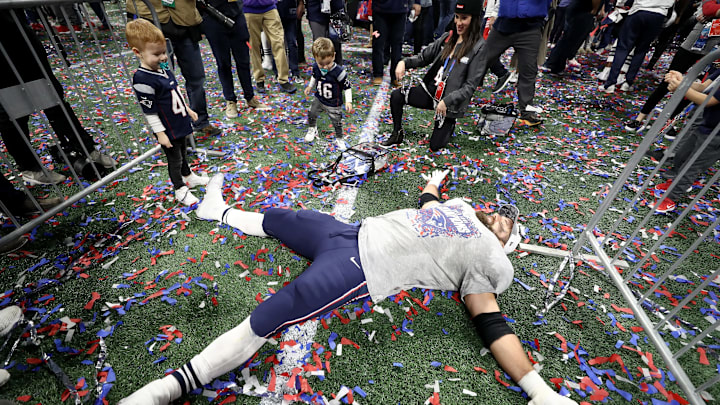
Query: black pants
(558, 25)
(417, 97)
(391, 27)
(682, 61)
(177, 161)
(11, 197)
(686, 147)
(578, 25)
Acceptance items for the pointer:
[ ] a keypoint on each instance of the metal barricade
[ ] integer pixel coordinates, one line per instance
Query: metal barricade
(646, 284)
(73, 66)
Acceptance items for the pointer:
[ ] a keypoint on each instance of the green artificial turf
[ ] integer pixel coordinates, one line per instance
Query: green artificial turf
(555, 174)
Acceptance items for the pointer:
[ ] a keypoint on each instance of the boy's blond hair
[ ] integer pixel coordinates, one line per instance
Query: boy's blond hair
(140, 32)
(322, 48)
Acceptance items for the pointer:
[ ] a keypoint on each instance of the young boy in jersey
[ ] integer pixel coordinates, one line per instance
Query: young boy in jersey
(163, 105)
(330, 80)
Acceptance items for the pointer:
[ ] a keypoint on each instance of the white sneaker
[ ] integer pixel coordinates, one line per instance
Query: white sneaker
(39, 177)
(231, 109)
(626, 87)
(4, 376)
(341, 144)
(607, 90)
(102, 159)
(193, 180)
(9, 316)
(513, 77)
(311, 134)
(534, 108)
(621, 78)
(184, 196)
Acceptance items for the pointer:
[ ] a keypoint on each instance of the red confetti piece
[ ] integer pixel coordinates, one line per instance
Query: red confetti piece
(703, 357)
(24, 398)
(450, 369)
(346, 341)
(95, 297)
(497, 377)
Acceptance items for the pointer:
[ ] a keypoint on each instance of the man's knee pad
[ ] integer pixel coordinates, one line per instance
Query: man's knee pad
(491, 326)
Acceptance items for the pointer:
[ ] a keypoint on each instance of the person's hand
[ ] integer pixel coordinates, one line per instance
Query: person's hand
(673, 84)
(349, 108)
(417, 9)
(400, 70)
(300, 10)
(193, 115)
(552, 399)
(673, 74)
(441, 108)
(307, 90)
(164, 140)
(436, 177)
(490, 22)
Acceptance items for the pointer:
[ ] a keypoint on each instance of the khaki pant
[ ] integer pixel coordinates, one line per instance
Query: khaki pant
(270, 23)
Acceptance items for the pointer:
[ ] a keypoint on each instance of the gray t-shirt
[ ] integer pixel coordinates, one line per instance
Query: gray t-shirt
(444, 247)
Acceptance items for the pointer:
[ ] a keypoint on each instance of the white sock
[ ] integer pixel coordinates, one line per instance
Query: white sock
(534, 385)
(224, 354)
(248, 222)
(213, 205)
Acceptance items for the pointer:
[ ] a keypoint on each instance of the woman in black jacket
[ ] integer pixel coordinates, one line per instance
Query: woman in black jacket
(449, 84)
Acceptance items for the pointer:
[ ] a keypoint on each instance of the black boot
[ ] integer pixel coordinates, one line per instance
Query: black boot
(396, 138)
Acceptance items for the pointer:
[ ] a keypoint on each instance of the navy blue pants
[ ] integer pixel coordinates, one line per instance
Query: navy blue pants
(334, 278)
(225, 42)
(187, 53)
(638, 31)
(391, 27)
(577, 27)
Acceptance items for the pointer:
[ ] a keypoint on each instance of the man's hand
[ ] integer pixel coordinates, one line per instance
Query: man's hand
(349, 108)
(436, 177)
(193, 115)
(164, 140)
(400, 70)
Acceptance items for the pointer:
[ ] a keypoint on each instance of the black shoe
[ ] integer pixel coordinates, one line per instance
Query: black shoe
(501, 83)
(260, 87)
(530, 119)
(634, 125)
(670, 134)
(288, 87)
(396, 138)
(655, 155)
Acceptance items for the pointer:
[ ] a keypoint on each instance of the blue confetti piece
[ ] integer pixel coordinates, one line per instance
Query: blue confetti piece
(398, 365)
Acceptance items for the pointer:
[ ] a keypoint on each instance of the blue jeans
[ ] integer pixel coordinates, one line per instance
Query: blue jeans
(391, 28)
(447, 13)
(225, 43)
(638, 32)
(290, 26)
(187, 53)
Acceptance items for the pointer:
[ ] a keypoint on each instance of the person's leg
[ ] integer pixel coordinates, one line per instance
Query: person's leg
(181, 144)
(626, 42)
(315, 109)
(526, 49)
(318, 30)
(11, 197)
(187, 53)
(300, 42)
(397, 104)
(15, 142)
(220, 44)
(706, 160)
(495, 45)
(335, 114)
(666, 36)
(380, 21)
(241, 53)
(651, 27)
(497, 68)
(174, 163)
(291, 44)
(254, 24)
(682, 61)
(558, 25)
(100, 12)
(272, 26)
(418, 33)
(441, 135)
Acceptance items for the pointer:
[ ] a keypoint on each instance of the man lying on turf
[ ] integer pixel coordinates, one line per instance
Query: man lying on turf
(444, 246)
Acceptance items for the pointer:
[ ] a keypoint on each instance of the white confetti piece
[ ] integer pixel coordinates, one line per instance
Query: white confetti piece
(468, 392)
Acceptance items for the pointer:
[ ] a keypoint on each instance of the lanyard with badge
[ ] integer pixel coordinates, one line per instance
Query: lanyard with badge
(440, 80)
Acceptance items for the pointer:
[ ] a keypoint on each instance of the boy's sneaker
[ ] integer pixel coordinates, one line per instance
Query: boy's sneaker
(184, 196)
(288, 87)
(256, 104)
(260, 87)
(9, 316)
(193, 180)
(396, 138)
(626, 87)
(501, 82)
(664, 206)
(670, 134)
(634, 125)
(39, 177)
(341, 144)
(231, 109)
(311, 134)
(102, 159)
(607, 90)
(209, 130)
(530, 119)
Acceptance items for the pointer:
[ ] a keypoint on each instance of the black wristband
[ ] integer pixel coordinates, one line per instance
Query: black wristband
(425, 198)
(491, 326)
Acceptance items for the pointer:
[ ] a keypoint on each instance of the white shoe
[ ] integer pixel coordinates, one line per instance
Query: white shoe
(9, 316)
(626, 87)
(193, 180)
(607, 90)
(4, 376)
(341, 144)
(231, 110)
(534, 108)
(604, 74)
(311, 134)
(621, 78)
(184, 196)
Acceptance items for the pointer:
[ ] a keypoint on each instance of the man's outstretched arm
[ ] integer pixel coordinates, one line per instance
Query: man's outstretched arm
(431, 193)
(507, 350)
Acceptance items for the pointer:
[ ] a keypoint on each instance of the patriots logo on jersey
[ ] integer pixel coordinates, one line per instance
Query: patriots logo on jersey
(147, 103)
(446, 222)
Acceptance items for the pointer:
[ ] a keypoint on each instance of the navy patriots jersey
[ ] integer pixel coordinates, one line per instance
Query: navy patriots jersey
(329, 88)
(158, 94)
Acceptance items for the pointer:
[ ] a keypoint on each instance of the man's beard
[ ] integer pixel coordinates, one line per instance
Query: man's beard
(484, 219)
